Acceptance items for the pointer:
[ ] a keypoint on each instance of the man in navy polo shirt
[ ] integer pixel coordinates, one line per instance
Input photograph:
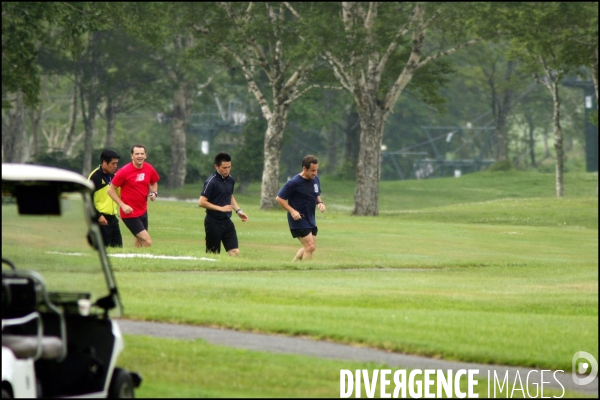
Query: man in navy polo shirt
(299, 197)
(217, 198)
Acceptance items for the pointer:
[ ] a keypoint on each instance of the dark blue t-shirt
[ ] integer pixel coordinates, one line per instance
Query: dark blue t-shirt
(301, 195)
(218, 191)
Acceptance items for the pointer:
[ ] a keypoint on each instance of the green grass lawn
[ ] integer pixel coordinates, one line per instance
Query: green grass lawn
(527, 316)
(178, 368)
(488, 268)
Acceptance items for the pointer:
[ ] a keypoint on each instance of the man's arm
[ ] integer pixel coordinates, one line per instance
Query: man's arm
(112, 193)
(204, 203)
(286, 206)
(153, 191)
(320, 204)
(236, 208)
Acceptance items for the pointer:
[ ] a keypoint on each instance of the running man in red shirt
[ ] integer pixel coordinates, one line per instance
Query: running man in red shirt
(138, 180)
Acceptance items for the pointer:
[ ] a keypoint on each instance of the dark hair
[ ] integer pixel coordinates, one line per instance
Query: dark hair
(307, 160)
(138, 145)
(219, 158)
(108, 155)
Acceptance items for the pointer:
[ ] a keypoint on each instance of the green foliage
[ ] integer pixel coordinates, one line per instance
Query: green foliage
(135, 72)
(159, 156)
(426, 85)
(21, 26)
(563, 35)
(594, 117)
(27, 24)
(347, 171)
(199, 166)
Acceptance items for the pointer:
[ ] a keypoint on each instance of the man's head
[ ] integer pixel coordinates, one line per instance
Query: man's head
(310, 166)
(223, 164)
(138, 155)
(109, 161)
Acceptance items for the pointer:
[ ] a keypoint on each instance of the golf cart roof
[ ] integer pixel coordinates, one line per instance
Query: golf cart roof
(68, 180)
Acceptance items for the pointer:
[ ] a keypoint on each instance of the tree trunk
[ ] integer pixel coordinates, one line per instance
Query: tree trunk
(501, 109)
(558, 140)
(531, 137)
(88, 123)
(90, 85)
(272, 154)
(501, 143)
(13, 134)
(501, 131)
(69, 142)
(36, 118)
(181, 105)
(368, 169)
(109, 140)
(595, 73)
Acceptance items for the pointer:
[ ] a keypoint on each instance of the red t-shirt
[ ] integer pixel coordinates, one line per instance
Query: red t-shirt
(135, 187)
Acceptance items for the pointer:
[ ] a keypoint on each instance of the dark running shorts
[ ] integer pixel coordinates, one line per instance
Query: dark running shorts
(217, 231)
(111, 232)
(298, 233)
(136, 225)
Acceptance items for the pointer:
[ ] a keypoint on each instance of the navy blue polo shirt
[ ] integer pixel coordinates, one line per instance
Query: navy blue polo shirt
(301, 194)
(218, 191)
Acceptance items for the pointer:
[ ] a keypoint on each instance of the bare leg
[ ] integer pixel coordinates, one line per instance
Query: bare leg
(299, 255)
(309, 243)
(234, 252)
(142, 239)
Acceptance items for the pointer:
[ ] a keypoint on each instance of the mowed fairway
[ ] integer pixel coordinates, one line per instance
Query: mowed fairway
(488, 268)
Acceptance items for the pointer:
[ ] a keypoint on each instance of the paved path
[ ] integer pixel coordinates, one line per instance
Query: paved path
(316, 348)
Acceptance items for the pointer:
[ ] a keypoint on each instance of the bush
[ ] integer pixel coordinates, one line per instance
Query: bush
(59, 159)
(502, 165)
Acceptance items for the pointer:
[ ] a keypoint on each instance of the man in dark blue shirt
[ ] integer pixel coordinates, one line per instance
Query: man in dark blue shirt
(217, 198)
(299, 197)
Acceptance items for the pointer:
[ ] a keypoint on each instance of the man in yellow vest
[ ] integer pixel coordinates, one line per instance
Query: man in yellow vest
(105, 207)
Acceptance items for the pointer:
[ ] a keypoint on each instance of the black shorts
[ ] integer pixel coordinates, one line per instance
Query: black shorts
(217, 231)
(111, 233)
(136, 225)
(300, 233)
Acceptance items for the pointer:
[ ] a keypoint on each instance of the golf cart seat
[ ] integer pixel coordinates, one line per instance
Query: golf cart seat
(23, 297)
(30, 346)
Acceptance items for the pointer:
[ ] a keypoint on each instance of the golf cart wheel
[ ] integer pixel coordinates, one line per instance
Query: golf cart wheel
(121, 385)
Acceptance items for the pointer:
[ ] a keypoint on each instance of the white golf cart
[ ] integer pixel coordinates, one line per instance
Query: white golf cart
(58, 290)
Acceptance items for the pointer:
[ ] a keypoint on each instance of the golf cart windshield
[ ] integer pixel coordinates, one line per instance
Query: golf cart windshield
(47, 227)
